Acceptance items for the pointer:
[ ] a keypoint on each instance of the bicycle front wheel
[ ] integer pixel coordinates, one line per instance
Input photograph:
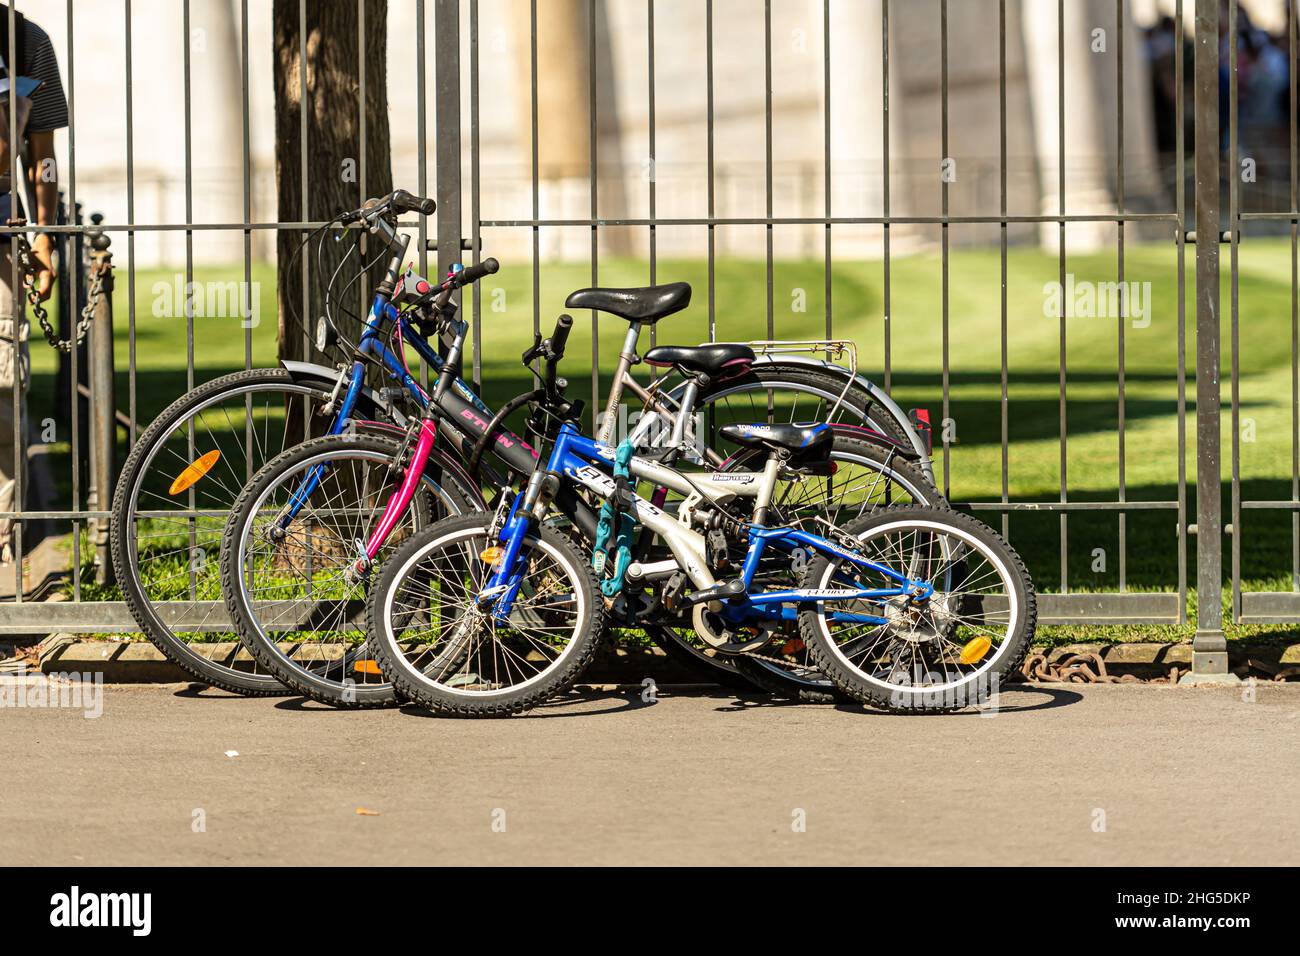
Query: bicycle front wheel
(175, 492)
(444, 649)
(289, 560)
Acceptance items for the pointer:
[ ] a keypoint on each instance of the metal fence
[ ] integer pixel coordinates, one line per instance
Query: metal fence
(460, 63)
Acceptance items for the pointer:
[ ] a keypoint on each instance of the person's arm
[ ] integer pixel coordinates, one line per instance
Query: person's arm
(40, 150)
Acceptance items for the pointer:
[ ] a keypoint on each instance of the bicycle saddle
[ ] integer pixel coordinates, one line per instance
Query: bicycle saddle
(647, 305)
(804, 442)
(701, 358)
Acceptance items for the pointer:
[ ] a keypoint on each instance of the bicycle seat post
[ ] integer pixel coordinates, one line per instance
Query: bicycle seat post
(626, 359)
(776, 458)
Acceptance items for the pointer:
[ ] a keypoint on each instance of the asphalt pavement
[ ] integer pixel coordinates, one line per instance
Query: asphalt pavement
(1077, 774)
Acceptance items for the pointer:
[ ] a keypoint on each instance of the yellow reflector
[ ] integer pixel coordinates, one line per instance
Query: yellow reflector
(366, 667)
(975, 650)
(194, 472)
(491, 554)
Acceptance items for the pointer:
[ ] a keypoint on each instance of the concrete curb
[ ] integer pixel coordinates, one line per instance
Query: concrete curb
(139, 662)
(123, 662)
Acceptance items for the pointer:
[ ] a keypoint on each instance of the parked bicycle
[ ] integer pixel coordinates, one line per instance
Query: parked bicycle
(175, 493)
(910, 608)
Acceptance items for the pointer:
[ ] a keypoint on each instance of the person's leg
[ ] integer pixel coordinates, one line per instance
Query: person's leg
(13, 363)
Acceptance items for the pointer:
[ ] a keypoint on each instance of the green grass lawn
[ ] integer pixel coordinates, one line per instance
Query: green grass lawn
(971, 469)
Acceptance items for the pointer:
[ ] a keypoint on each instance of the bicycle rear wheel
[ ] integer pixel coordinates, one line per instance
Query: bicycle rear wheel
(936, 652)
(779, 393)
(866, 478)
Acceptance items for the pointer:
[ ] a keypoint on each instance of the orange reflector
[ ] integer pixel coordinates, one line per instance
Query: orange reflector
(975, 650)
(792, 647)
(366, 666)
(491, 554)
(194, 472)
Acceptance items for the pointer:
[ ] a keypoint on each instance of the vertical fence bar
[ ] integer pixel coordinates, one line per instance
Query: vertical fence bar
(1004, 410)
(475, 212)
(130, 236)
(595, 228)
(1180, 160)
(1234, 386)
(304, 213)
(767, 162)
(422, 163)
(72, 247)
(421, 152)
(18, 309)
(446, 111)
(1209, 649)
(362, 132)
(708, 123)
(362, 293)
(886, 304)
(826, 162)
(1060, 191)
(537, 232)
(654, 172)
(189, 292)
(945, 238)
(1122, 321)
(1295, 303)
(247, 295)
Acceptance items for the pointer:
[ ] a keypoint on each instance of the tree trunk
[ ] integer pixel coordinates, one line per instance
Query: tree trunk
(341, 170)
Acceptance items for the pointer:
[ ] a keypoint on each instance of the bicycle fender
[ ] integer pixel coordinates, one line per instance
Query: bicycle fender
(877, 394)
(310, 372)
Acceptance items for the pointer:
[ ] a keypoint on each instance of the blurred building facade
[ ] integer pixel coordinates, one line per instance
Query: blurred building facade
(95, 162)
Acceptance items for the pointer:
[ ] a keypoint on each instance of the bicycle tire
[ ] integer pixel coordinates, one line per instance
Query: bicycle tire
(124, 544)
(315, 682)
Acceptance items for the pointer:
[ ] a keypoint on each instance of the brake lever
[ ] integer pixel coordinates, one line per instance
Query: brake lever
(530, 355)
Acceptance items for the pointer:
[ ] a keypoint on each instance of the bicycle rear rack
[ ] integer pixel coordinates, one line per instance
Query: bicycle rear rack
(832, 349)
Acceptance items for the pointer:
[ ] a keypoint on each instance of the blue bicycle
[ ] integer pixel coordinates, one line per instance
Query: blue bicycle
(909, 608)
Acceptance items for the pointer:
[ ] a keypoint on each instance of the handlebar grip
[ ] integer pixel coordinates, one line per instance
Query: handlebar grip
(561, 335)
(403, 201)
(487, 267)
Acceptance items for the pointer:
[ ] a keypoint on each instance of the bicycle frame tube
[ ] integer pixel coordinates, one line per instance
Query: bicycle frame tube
(587, 462)
(401, 499)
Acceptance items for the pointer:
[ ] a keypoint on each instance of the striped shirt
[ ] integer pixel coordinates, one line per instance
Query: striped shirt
(49, 107)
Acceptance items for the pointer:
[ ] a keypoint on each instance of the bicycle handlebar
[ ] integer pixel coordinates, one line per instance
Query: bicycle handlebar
(470, 274)
(399, 200)
(555, 351)
(407, 202)
(458, 280)
(560, 337)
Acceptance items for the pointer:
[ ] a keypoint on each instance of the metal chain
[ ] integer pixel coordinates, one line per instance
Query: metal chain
(94, 292)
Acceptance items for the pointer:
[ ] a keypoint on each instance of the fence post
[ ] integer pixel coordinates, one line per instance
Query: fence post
(103, 405)
(1209, 649)
(446, 105)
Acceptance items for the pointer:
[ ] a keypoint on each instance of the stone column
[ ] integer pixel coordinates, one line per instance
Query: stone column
(1091, 142)
(857, 123)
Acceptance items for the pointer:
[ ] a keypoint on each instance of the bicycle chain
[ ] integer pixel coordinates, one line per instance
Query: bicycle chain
(94, 292)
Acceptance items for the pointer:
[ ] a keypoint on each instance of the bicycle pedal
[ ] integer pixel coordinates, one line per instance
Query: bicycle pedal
(721, 591)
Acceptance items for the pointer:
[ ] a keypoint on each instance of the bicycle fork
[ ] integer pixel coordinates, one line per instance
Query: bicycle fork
(510, 561)
(399, 501)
